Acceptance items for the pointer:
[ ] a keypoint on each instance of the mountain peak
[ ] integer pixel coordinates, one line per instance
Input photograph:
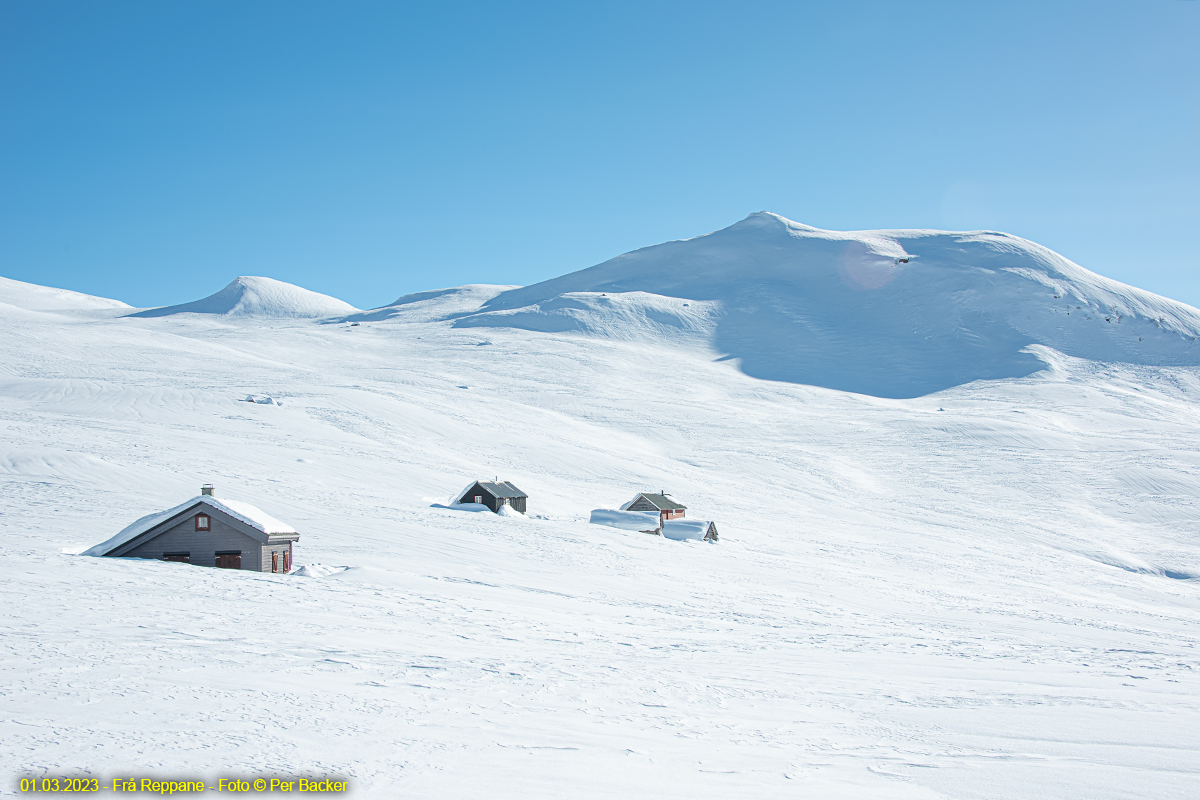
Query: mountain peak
(891, 313)
(768, 220)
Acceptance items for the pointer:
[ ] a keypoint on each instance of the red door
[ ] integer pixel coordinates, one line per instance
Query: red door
(275, 561)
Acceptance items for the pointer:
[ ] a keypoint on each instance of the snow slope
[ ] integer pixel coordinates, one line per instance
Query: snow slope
(989, 592)
(441, 304)
(259, 297)
(839, 309)
(31, 297)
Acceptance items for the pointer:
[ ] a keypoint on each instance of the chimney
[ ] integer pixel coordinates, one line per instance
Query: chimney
(207, 489)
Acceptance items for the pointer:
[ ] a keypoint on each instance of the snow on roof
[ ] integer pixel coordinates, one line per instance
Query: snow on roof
(659, 501)
(496, 489)
(248, 514)
(244, 512)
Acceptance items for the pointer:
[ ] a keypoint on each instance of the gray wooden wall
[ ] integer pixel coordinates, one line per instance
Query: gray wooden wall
(203, 545)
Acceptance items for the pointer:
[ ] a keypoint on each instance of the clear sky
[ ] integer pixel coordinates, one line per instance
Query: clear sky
(153, 151)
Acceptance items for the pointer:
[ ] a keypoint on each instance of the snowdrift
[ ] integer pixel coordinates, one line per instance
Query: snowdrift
(259, 297)
(898, 313)
(641, 521)
(627, 315)
(317, 571)
(433, 306)
(685, 529)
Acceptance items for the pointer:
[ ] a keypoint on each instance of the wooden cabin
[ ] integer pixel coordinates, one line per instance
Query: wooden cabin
(664, 505)
(210, 533)
(494, 494)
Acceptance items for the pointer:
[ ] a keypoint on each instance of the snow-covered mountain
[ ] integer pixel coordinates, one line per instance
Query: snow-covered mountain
(992, 591)
(887, 313)
(259, 297)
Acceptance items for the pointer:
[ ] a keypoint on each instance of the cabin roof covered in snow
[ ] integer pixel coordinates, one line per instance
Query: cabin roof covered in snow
(659, 501)
(243, 512)
(496, 489)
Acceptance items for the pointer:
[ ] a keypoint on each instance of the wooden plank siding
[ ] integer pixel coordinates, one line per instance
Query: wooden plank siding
(642, 504)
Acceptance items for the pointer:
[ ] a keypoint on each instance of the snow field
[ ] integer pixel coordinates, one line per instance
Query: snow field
(990, 592)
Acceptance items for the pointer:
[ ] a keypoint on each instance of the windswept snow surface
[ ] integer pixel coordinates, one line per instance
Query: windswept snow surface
(991, 592)
(889, 313)
(259, 297)
(438, 305)
(31, 297)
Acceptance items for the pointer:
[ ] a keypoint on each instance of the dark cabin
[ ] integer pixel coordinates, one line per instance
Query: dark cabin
(494, 494)
(210, 533)
(664, 505)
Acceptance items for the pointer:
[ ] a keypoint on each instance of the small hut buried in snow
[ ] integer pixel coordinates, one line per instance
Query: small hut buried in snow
(682, 529)
(208, 532)
(660, 503)
(641, 521)
(494, 495)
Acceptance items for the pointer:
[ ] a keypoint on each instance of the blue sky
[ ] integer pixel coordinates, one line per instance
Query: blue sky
(152, 151)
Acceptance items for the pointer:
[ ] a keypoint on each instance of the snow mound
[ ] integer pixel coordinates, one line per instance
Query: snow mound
(434, 306)
(641, 521)
(685, 529)
(890, 313)
(474, 507)
(317, 571)
(262, 399)
(509, 511)
(31, 297)
(259, 297)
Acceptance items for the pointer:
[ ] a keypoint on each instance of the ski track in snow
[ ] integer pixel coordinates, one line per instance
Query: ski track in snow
(989, 592)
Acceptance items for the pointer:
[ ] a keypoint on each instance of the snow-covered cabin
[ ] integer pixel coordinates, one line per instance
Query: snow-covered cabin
(641, 521)
(661, 503)
(681, 529)
(494, 494)
(208, 532)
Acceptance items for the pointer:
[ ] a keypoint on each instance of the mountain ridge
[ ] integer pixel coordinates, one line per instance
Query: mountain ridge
(890, 313)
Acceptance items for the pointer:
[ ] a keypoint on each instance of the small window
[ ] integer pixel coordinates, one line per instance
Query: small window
(478, 498)
(202, 522)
